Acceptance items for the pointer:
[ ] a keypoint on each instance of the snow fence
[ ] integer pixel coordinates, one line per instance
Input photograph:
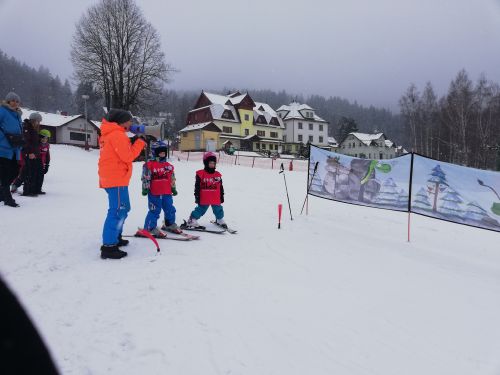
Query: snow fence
(410, 183)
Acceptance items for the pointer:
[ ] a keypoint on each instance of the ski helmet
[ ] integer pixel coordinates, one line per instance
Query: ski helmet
(45, 133)
(158, 147)
(209, 156)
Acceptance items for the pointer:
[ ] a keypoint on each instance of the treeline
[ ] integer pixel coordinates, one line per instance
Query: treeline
(461, 127)
(37, 87)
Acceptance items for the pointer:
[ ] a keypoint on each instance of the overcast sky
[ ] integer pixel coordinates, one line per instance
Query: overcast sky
(364, 50)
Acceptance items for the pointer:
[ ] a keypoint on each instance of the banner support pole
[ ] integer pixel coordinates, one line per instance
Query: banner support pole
(409, 193)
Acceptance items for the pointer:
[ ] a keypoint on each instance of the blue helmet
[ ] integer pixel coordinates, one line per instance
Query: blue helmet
(157, 147)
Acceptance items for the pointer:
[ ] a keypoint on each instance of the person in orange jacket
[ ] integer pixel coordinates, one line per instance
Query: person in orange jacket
(115, 169)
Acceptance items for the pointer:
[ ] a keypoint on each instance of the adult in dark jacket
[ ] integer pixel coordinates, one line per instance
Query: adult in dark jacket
(31, 153)
(10, 145)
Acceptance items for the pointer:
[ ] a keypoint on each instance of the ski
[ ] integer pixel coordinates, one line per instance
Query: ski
(183, 235)
(226, 228)
(161, 238)
(180, 234)
(200, 228)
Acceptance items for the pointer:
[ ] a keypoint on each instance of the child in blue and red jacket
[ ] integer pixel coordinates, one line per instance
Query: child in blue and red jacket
(158, 183)
(208, 191)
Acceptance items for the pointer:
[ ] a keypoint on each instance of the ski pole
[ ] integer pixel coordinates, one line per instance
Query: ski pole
(280, 207)
(146, 234)
(282, 170)
(309, 187)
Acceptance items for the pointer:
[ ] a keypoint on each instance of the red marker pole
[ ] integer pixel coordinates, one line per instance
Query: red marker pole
(280, 208)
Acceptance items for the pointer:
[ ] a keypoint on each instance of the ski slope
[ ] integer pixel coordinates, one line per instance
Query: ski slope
(339, 291)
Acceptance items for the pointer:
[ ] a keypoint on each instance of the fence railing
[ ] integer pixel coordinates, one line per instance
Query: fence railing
(246, 160)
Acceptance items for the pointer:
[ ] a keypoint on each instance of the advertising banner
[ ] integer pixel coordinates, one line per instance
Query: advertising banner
(374, 183)
(455, 193)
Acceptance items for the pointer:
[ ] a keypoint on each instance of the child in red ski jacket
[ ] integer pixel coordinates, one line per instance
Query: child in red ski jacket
(158, 183)
(208, 191)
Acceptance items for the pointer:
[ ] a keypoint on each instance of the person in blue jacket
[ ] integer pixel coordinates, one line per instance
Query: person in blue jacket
(11, 141)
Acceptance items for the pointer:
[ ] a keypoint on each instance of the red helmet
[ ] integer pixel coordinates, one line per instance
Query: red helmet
(210, 155)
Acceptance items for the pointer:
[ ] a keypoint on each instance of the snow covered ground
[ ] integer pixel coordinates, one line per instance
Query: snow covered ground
(337, 292)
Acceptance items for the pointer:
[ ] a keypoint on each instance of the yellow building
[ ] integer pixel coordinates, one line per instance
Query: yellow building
(243, 124)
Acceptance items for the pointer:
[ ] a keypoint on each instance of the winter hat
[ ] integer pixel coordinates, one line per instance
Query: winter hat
(12, 96)
(35, 116)
(208, 157)
(120, 116)
(45, 133)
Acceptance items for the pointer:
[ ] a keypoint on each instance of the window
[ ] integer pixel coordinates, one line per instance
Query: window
(263, 146)
(356, 155)
(360, 144)
(227, 129)
(311, 139)
(310, 126)
(284, 138)
(77, 136)
(185, 134)
(369, 155)
(261, 133)
(381, 156)
(320, 128)
(300, 125)
(300, 137)
(353, 144)
(350, 145)
(274, 134)
(320, 139)
(247, 117)
(226, 114)
(257, 145)
(247, 131)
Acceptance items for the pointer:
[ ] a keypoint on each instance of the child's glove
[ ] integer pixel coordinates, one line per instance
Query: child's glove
(145, 191)
(174, 191)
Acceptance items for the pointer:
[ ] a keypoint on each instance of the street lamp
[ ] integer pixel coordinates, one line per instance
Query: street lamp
(85, 98)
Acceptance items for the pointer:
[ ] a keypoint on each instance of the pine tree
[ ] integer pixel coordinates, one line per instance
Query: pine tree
(403, 199)
(422, 200)
(388, 194)
(475, 212)
(438, 184)
(450, 204)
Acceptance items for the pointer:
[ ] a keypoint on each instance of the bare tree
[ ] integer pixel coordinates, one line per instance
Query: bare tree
(410, 105)
(459, 110)
(430, 124)
(117, 50)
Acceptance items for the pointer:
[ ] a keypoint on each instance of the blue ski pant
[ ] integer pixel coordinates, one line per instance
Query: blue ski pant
(200, 210)
(119, 206)
(156, 203)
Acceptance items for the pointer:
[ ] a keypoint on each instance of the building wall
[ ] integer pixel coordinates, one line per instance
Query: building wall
(66, 134)
(292, 131)
(235, 127)
(246, 124)
(267, 132)
(197, 140)
(368, 152)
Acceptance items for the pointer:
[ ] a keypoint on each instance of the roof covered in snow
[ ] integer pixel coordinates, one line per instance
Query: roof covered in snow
(299, 111)
(50, 119)
(332, 141)
(199, 126)
(367, 138)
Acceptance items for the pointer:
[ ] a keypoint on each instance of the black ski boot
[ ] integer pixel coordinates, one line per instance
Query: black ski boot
(112, 252)
(122, 242)
(7, 197)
